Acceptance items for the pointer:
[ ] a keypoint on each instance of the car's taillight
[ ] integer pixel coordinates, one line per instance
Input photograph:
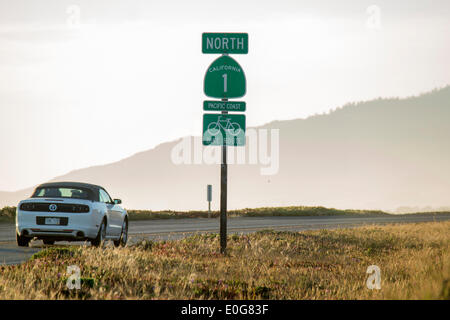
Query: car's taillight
(52, 207)
(27, 207)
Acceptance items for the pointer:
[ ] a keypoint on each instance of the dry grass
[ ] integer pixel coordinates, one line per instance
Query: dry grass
(414, 260)
(7, 214)
(293, 211)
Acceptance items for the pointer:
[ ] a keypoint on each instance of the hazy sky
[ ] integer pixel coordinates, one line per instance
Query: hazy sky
(91, 82)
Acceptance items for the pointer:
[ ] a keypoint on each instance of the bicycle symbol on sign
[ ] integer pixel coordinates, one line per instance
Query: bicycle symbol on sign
(225, 123)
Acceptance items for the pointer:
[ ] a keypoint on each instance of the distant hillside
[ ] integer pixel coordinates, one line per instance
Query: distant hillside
(380, 154)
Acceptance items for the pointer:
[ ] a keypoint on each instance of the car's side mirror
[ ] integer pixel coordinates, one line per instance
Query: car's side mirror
(117, 201)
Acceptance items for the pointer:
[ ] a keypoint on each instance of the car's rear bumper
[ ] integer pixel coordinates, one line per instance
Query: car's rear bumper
(79, 225)
(69, 234)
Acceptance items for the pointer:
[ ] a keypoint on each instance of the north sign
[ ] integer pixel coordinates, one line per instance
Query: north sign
(225, 43)
(224, 79)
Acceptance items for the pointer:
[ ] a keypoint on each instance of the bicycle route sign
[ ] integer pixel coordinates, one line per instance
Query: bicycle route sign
(223, 129)
(224, 79)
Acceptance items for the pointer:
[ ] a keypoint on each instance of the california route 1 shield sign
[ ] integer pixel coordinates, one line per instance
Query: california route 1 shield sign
(225, 79)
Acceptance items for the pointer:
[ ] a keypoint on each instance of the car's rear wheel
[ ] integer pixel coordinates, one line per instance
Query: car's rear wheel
(100, 239)
(123, 236)
(49, 242)
(22, 241)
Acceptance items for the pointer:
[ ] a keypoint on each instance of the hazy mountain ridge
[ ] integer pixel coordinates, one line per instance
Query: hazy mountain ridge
(379, 154)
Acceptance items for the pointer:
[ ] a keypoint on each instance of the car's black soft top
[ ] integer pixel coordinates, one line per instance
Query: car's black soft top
(66, 184)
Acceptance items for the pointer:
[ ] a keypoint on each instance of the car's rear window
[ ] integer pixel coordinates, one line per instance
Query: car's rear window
(63, 192)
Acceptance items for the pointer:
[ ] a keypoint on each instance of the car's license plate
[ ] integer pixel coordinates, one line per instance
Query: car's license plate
(51, 220)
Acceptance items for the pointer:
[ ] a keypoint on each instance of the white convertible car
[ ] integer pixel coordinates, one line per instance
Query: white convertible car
(71, 211)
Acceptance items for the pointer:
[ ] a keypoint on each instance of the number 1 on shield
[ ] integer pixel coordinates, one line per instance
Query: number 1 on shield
(225, 76)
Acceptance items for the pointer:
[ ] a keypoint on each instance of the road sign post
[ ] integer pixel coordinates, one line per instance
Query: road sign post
(209, 198)
(223, 198)
(224, 79)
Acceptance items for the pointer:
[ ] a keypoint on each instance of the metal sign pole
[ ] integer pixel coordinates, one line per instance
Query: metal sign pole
(209, 209)
(223, 194)
(209, 198)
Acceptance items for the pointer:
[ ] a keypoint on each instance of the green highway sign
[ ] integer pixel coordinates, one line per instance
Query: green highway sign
(236, 43)
(223, 129)
(224, 106)
(224, 79)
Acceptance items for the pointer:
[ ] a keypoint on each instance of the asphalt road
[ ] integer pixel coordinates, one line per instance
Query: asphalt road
(169, 229)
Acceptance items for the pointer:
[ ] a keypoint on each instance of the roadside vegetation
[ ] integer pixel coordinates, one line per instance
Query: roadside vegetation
(7, 214)
(257, 212)
(328, 264)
